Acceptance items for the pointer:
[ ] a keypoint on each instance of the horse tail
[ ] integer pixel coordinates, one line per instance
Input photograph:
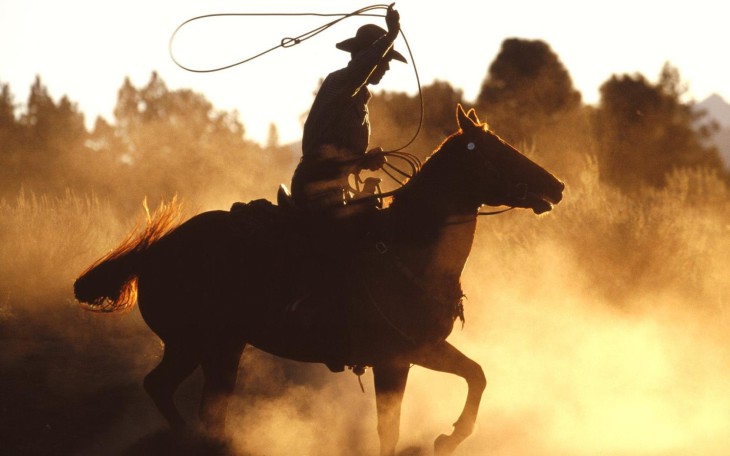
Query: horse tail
(110, 283)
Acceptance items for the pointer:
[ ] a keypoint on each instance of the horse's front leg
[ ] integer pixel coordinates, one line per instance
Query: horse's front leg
(390, 383)
(443, 357)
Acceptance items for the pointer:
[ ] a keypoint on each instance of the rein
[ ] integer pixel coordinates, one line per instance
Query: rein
(501, 211)
(479, 213)
(378, 197)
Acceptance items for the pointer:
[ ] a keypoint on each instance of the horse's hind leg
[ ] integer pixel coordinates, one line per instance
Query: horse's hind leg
(220, 369)
(178, 362)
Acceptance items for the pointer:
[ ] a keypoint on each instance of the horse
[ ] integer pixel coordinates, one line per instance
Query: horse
(207, 289)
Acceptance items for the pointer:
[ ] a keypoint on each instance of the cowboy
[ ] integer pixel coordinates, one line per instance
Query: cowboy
(334, 145)
(337, 130)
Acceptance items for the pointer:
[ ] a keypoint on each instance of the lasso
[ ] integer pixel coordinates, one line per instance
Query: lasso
(411, 161)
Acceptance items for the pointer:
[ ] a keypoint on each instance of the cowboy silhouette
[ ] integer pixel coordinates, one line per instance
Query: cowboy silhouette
(337, 130)
(335, 145)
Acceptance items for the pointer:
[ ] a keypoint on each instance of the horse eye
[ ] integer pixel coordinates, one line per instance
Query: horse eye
(471, 146)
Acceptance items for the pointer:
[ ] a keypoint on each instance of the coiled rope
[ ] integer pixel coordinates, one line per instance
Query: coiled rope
(413, 162)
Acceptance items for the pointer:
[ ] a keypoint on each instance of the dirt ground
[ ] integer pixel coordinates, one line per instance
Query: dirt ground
(71, 384)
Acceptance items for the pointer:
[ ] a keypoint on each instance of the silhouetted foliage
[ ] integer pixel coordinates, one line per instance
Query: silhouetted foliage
(527, 89)
(644, 131)
(395, 117)
(174, 140)
(37, 147)
(528, 98)
(9, 141)
(162, 143)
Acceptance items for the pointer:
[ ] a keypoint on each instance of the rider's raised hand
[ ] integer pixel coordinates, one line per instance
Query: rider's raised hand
(392, 19)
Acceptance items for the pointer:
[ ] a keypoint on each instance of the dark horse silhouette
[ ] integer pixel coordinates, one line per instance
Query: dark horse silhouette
(207, 289)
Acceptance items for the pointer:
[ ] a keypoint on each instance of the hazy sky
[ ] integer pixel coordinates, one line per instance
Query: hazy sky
(85, 48)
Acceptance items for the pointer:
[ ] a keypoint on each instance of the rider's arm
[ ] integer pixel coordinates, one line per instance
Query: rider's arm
(363, 64)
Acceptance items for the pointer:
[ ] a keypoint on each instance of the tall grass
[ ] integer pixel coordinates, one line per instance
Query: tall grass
(675, 239)
(47, 240)
(65, 375)
(602, 326)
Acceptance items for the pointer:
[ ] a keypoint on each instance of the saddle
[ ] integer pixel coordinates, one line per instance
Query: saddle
(261, 218)
(284, 199)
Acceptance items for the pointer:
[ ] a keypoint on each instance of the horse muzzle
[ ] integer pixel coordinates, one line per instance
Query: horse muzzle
(541, 202)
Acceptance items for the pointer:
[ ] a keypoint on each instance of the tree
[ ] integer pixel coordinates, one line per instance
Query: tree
(9, 139)
(527, 90)
(46, 139)
(644, 130)
(175, 142)
(528, 98)
(272, 141)
(7, 108)
(395, 117)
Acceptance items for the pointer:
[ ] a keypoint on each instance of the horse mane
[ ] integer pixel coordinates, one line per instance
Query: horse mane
(441, 152)
(413, 184)
(164, 220)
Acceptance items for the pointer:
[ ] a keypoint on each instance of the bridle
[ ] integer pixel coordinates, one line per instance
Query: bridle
(413, 166)
(489, 167)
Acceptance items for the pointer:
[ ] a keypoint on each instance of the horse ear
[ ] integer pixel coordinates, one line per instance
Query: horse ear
(464, 121)
(472, 114)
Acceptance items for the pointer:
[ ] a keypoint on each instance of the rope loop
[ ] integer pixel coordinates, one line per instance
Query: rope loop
(290, 42)
(286, 42)
(411, 161)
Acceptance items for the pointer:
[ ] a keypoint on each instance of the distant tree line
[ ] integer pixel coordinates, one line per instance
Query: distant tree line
(639, 132)
(163, 142)
(160, 143)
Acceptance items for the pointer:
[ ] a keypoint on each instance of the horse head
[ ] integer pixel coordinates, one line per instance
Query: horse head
(493, 172)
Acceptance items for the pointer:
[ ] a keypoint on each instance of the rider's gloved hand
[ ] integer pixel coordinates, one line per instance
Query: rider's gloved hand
(392, 20)
(374, 159)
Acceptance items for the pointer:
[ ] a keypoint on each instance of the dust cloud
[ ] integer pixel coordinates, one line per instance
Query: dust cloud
(602, 328)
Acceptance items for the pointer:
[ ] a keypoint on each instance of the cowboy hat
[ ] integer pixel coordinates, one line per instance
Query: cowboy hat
(365, 36)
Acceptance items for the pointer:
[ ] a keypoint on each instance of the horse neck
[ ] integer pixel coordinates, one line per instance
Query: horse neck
(449, 252)
(436, 231)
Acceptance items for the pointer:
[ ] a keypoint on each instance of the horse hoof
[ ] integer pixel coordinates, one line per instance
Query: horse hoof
(444, 445)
